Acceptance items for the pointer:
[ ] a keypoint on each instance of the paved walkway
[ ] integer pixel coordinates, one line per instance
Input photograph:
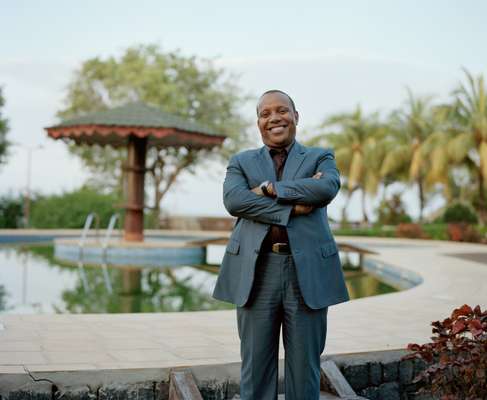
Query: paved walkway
(37, 343)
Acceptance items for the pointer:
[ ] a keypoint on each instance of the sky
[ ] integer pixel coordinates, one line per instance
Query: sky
(328, 55)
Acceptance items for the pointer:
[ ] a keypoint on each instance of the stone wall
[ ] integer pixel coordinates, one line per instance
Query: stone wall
(381, 375)
(373, 375)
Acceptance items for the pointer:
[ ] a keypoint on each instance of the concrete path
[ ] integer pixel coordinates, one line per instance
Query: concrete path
(36, 343)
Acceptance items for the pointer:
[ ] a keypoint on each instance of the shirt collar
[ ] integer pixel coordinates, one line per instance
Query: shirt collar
(288, 147)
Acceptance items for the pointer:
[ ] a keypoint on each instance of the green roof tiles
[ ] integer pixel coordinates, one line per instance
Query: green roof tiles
(137, 115)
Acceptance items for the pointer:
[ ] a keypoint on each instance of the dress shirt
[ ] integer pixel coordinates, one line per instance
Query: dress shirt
(277, 233)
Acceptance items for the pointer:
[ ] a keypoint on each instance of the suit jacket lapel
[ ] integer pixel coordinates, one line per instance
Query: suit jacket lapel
(294, 161)
(265, 164)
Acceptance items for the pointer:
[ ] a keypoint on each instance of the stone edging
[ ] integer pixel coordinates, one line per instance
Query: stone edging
(374, 375)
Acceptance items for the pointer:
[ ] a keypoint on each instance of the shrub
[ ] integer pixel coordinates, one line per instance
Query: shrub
(435, 231)
(11, 212)
(69, 210)
(457, 357)
(460, 213)
(411, 231)
(392, 211)
(463, 232)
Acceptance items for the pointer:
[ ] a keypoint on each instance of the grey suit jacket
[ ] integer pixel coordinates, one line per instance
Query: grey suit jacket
(313, 248)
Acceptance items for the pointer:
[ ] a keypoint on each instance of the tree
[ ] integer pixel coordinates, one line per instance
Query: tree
(416, 150)
(469, 146)
(4, 128)
(189, 87)
(359, 150)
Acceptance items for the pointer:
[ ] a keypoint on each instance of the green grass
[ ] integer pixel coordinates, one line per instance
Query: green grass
(433, 231)
(380, 231)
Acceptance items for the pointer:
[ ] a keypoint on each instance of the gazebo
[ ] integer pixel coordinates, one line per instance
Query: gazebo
(136, 126)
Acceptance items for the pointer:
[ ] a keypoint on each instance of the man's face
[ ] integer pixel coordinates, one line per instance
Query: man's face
(276, 120)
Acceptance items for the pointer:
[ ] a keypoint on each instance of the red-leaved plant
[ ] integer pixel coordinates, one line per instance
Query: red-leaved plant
(411, 231)
(457, 357)
(462, 232)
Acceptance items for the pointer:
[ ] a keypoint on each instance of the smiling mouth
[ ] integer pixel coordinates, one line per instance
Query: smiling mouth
(277, 129)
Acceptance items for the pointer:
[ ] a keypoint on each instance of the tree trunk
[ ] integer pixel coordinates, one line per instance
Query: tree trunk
(168, 181)
(384, 192)
(421, 199)
(156, 212)
(482, 201)
(364, 211)
(344, 221)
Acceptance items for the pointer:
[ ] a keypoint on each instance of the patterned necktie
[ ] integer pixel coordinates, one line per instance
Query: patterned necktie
(279, 158)
(277, 234)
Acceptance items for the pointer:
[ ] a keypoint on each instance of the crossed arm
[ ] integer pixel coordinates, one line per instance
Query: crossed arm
(317, 191)
(241, 201)
(296, 197)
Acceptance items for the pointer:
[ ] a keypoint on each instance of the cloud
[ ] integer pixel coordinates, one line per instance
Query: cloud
(329, 55)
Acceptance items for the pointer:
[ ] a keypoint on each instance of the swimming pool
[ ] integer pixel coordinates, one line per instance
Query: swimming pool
(33, 281)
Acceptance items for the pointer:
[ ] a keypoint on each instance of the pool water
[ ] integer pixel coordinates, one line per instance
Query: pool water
(32, 281)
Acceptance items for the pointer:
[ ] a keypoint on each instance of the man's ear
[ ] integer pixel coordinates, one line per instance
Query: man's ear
(296, 115)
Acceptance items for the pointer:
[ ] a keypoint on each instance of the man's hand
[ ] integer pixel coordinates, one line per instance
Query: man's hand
(270, 187)
(301, 209)
(258, 191)
(270, 190)
(298, 209)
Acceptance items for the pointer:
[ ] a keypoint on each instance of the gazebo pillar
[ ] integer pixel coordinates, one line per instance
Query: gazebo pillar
(134, 215)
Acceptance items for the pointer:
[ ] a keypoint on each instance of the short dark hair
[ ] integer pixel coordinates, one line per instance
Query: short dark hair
(275, 91)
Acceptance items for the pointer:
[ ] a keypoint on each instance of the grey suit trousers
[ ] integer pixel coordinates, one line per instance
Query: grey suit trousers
(276, 301)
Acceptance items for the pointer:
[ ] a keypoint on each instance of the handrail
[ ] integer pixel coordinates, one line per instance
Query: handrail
(89, 220)
(114, 219)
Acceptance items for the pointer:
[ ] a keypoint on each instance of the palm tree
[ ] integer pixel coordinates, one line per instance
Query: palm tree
(415, 146)
(469, 120)
(356, 139)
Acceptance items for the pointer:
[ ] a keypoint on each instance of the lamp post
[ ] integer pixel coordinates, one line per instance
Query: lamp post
(29, 149)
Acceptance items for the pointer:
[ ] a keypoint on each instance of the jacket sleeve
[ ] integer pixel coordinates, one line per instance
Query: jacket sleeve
(241, 202)
(316, 192)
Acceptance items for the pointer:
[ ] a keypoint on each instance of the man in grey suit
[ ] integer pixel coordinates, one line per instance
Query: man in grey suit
(281, 265)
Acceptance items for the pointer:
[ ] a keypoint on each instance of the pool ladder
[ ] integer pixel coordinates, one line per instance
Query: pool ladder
(93, 216)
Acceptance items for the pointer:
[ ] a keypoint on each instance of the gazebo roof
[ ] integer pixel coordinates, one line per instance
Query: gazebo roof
(114, 126)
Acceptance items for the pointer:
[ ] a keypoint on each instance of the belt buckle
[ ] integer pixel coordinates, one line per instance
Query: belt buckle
(276, 248)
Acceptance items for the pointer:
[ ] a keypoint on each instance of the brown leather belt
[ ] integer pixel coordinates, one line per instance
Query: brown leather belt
(281, 248)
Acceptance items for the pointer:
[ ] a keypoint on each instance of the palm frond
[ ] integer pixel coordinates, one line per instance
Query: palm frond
(459, 147)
